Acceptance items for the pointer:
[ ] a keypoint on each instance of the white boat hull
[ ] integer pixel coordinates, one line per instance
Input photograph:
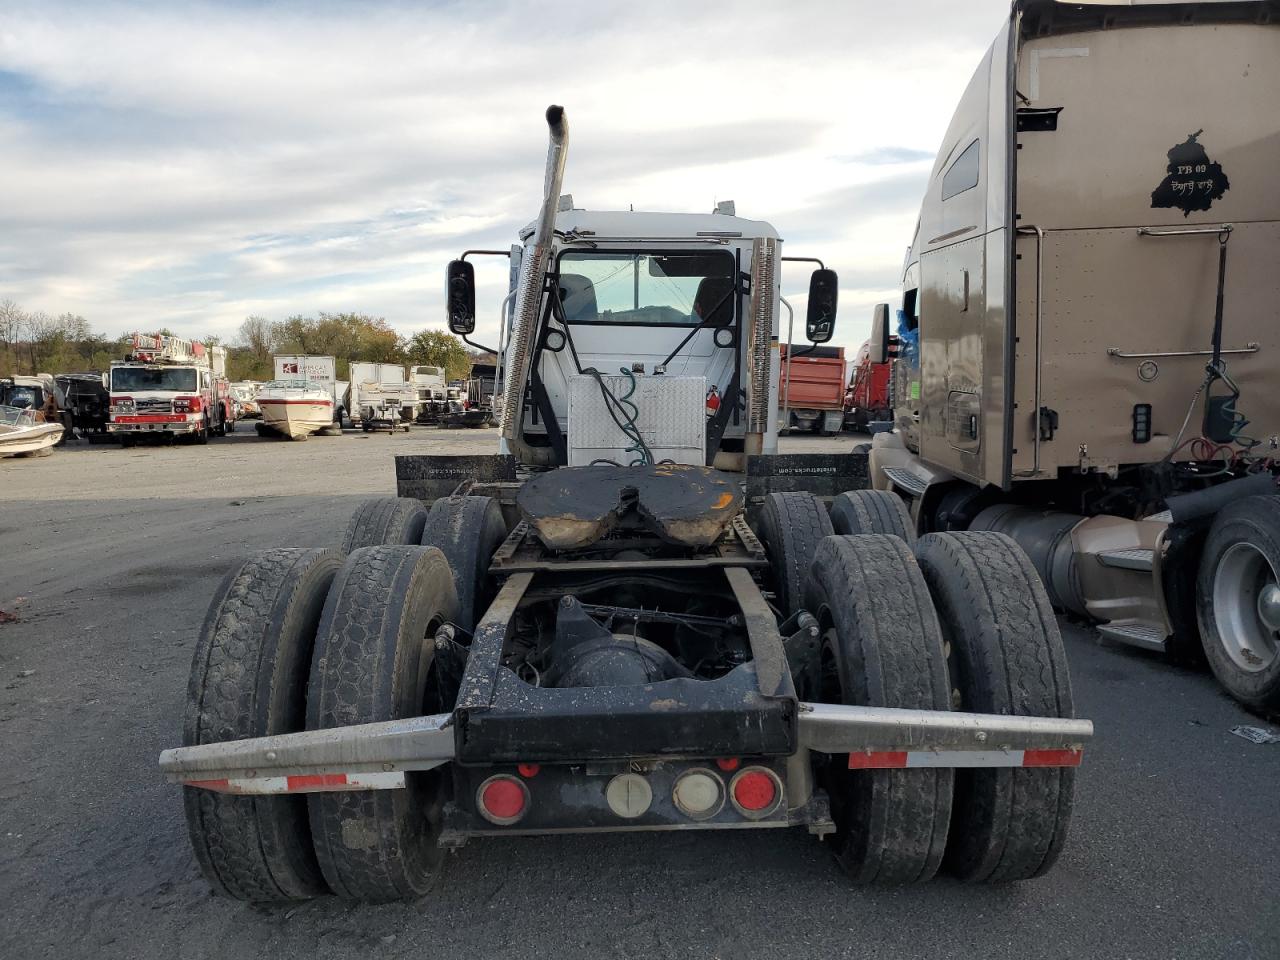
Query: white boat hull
(296, 418)
(29, 440)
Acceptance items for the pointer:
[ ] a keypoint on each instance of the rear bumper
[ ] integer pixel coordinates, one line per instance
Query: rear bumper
(872, 737)
(590, 792)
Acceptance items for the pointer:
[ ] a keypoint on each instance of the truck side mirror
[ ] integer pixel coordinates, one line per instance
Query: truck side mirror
(880, 333)
(820, 320)
(461, 294)
(106, 380)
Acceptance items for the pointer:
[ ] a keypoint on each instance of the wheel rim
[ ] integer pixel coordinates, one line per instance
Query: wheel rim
(1246, 606)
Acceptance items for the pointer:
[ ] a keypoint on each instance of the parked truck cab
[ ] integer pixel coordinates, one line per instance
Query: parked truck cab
(638, 337)
(1088, 310)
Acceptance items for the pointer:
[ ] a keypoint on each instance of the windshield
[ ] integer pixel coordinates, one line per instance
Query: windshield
(667, 289)
(153, 378)
(16, 417)
(24, 397)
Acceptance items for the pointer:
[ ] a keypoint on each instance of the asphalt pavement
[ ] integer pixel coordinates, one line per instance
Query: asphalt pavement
(108, 558)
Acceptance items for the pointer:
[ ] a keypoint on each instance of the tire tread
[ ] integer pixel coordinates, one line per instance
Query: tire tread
(872, 511)
(383, 520)
(1008, 657)
(255, 848)
(374, 845)
(791, 527)
(870, 591)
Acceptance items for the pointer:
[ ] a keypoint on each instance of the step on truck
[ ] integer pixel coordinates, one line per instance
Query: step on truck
(1088, 325)
(608, 626)
(167, 387)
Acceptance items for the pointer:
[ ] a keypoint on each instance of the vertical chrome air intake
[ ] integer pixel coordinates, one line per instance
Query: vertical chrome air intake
(764, 257)
(533, 270)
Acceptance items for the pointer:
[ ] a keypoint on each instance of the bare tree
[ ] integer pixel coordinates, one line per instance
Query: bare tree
(13, 323)
(44, 335)
(74, 327)
(257, 335)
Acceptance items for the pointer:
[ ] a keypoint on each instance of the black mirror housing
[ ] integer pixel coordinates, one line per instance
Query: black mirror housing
(460, 292)
(820, 318)
(879, 342)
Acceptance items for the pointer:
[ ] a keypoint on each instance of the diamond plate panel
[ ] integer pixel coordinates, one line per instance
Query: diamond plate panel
(672, 419)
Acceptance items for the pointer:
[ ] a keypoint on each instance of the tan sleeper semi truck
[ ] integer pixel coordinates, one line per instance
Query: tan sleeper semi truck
(1087, 341)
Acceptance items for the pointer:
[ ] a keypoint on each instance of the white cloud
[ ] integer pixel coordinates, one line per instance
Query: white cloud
(187, 164)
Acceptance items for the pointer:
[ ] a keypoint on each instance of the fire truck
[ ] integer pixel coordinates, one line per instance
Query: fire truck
(169, 387)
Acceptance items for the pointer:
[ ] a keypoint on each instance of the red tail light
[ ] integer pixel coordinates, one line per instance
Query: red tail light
(756, 792)
(502, 800)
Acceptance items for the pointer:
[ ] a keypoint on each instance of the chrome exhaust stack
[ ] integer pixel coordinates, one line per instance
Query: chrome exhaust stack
(764, 256)
(532, 272)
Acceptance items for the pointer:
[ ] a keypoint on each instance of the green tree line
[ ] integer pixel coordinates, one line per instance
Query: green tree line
(37, 342)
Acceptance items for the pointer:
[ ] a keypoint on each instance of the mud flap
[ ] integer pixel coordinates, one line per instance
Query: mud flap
(431, 477)
(822, 474)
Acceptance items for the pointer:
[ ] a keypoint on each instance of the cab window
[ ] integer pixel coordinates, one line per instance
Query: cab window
(962, 175)
(911, 309)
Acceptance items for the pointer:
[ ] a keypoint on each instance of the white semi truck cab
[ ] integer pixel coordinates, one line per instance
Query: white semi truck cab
(637, 337)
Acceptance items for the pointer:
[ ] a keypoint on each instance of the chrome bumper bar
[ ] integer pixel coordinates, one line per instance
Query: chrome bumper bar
(375, 756)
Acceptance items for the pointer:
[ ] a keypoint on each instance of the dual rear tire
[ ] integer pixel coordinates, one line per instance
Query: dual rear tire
(960, 622)
(312, 639)
(881, 647)
(1006, 657)
(249, 679)
(963, 624)
(373, 661)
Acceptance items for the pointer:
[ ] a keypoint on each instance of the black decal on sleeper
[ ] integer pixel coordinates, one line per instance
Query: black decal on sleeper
(1193, 181)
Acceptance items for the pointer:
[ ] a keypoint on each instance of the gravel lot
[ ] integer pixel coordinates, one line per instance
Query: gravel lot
(109, 557)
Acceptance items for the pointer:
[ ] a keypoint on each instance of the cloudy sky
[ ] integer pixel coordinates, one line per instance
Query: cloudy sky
(187, 165)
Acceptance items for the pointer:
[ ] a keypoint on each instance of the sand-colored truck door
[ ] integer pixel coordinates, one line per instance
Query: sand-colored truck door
(962, 241)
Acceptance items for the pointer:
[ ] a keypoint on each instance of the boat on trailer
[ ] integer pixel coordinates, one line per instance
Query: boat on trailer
(295, 408)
